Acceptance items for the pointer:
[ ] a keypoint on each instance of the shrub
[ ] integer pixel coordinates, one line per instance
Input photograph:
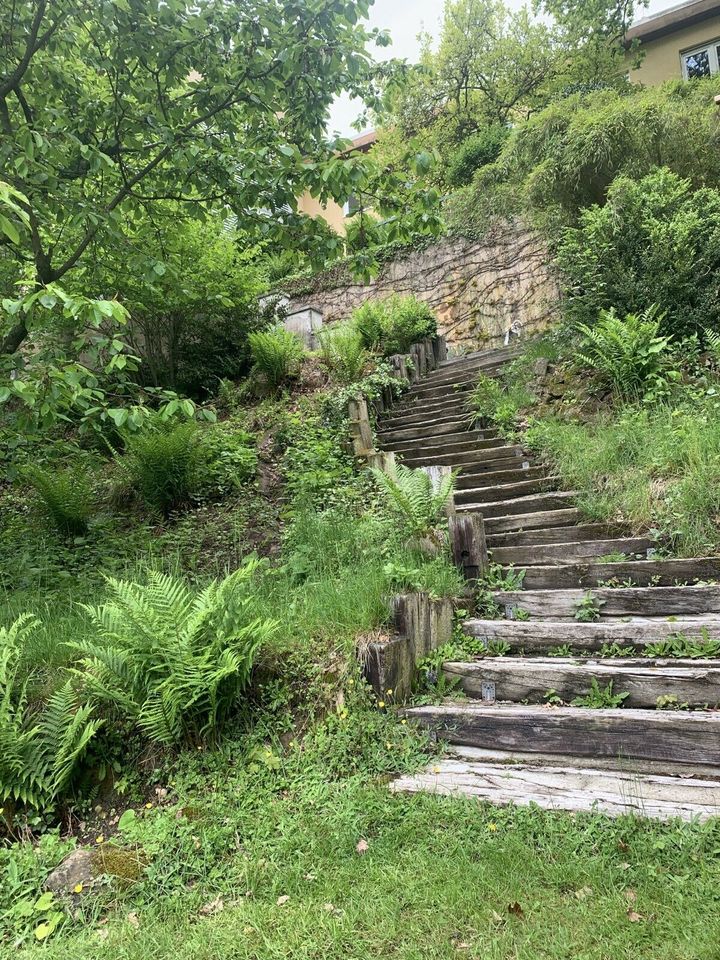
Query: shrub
(657, 240)
(626, 355)
(344, 352)
(477, 151)
(226, 460)
(394, 324)
(41, 745)
(414, 497)
(277, 354)
(160, 463)
(66, 498)
(171, 660)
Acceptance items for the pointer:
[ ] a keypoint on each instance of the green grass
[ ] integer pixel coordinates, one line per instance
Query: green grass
(650, 468)
(440, 877)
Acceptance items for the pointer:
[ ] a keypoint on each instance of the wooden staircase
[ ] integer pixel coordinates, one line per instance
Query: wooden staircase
(577, 624)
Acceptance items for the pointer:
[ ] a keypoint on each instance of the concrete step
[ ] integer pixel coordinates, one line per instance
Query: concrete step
(496, 492)
(541, 636)
(566, 783)
(612, 602)
(539, 503)
(656, 735)
(570, 552)
(643, 681)
(540, 520)
(641, 573)
(570, 534)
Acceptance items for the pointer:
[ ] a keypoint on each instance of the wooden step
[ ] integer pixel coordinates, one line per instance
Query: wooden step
(569, 534)
(570, 786)
(444, 390)
(511, 474)
(678, 736)
(544, 520)
(539, 502)
(540, 636)
(564, 553)
(633, 573)
(644, 680)
(441, 415)
(613, 601)
(451, 443)
(424, 431)
(496, 492)
(480, 458)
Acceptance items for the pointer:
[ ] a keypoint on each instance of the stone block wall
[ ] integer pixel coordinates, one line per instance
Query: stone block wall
(479, 290)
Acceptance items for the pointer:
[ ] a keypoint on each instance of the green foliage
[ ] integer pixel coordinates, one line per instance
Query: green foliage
(656, 240)
(477, 151)
(363, 231)
(317, 469)
(344, 352)
(626, 355)
(277, 355)
(40, 749)
(681, 646)
(160, 463)
(413, 496)
(589, 609)
(498, 402)
(66, 497)
(171, 660)
(600, 698)
(392, 325)
(226, 460)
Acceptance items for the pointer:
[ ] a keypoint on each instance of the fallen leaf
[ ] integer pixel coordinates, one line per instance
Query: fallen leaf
(634, 917)
(630, 895)
(583, 893)
(132, 919)
(281, 901)
(102, 934)
(362, 846)
(497, 918)
(516, 910)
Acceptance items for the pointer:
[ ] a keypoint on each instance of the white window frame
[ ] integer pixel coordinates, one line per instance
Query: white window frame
(711, 46)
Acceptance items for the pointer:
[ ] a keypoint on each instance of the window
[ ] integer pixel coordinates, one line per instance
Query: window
(701, 62)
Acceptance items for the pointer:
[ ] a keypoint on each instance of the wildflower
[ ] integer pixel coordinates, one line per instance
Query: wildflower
(351, 683)
(78, 888)
(381, 703)
(389, 692)
(403, 722)
(389, 746)
(492, 826)
(148, 806)
(100, 839)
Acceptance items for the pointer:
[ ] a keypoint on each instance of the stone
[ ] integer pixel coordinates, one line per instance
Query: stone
(75, 869)
(540, 367)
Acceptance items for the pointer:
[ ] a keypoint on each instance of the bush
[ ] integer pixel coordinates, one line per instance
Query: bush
(657, 240)
(171, 660)
(413, 497)
(41, 745)
(627, 356)
(477, 151)
(66, 498)
(394, 324)
(344, 352)
(277, 354)
(160, 463)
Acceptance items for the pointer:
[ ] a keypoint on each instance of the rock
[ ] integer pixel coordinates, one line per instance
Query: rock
(74, 870)
(540, 367)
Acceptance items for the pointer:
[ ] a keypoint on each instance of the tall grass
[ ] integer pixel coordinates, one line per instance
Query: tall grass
(649, 467)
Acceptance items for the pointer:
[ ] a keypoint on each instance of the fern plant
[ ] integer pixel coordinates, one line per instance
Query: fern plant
(161, 464)
(415, 497)
(66, 498)
(276, 354)
(40, 745)
(344, 352)
(169, 659)
(627, 355)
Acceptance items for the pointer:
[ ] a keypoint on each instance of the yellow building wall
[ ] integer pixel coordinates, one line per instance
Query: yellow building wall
(331, 212)
(662, 56)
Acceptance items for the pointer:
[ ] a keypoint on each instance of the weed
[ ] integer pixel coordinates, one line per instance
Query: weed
(669, 701)
(679, 646)
(589, 609)
(600, 698)
(562, 650)
(66, 498)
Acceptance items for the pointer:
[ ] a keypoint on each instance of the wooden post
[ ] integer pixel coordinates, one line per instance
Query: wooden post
(469, 548)
(362, 435)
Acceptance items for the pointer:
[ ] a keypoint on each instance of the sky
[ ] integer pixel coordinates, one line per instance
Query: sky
(406, 19)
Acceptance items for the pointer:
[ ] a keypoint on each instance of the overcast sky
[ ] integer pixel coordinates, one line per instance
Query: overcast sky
(405, 19)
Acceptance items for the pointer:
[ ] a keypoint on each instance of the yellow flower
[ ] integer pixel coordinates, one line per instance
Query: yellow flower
(389, 746)
(381, 703)
(100, 839)
(148, 806)
(492, 826)
(403, 722)
(350, 683)
(389, 692)
(78, 888)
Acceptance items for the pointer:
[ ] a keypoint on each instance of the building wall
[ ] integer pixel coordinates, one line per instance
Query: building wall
(662, 56)
(331, 212)
(479, 290)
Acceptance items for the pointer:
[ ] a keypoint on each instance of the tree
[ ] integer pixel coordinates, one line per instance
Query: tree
(110, 107)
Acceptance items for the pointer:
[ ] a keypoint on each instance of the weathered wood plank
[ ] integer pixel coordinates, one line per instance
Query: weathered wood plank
(541, 502)
(497, 452)
(504, 459)
(513, 473)
(424, 430)
(583, 532)
(539, 636)
(451, 443)
(638, 572)
(563, 553)
(467, 542)
(531, 521)
(520, 679)
(570, 788)
(641, 734)
(614, 602)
